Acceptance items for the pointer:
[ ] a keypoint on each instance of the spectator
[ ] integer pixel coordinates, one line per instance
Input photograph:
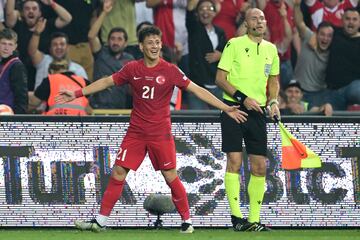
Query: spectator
(206, 42)
(142, 13)
(58, 50)
(229, 15)
(109, 59)
(84, 12)
(59, 77)
(281, 29)
(169, 16)
(328, 10)
(24, 23)
(13, 79)
(121, 15)
(312, 61)
(343, 71)
(296, 105)
(2, 15)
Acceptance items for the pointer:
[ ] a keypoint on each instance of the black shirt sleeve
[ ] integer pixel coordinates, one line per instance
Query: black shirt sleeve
(18, 84)
(43, 91)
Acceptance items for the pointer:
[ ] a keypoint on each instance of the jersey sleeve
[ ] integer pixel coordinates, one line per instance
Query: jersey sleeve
(181, 80)
(227, 56)
(123, 75)
(275, 66)
(42, 92)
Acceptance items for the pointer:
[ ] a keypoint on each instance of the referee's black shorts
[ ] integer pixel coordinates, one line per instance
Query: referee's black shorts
(253, 131)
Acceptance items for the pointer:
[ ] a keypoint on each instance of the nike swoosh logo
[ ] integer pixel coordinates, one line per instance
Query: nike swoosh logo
(166, 164)
(137, 78)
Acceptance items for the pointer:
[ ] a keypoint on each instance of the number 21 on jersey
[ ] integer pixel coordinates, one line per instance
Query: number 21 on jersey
(148, 92)
(120, 156)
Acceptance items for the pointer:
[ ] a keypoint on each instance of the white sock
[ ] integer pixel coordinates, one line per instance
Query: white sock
(188, 221)
(101, 219)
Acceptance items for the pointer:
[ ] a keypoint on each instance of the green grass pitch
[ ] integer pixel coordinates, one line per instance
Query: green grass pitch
(173, 234)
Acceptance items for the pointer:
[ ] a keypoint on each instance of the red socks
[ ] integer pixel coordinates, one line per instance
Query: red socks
(111, 195)
(179, 198)
(115, 187)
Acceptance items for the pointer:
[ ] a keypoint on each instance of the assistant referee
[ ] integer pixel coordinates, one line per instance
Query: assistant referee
(248, 65)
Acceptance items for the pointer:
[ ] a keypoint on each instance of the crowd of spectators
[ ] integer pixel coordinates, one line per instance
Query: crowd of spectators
(318, 44)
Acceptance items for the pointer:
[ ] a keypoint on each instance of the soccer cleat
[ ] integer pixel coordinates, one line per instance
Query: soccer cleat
(92, 225)
(258, 227)
(186, 228)
(239, 224)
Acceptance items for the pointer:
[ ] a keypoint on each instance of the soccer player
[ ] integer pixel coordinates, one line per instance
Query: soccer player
(152, 80)
(248, 65)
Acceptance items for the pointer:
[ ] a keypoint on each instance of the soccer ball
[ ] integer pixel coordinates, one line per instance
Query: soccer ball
(6, 110)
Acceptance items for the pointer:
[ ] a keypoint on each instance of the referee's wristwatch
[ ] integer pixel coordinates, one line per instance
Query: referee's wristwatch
(273, 101)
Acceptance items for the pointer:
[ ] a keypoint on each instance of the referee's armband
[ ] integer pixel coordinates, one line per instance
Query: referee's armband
(239, 96)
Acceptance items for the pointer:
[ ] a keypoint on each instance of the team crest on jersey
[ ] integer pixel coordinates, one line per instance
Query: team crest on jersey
(160, 79)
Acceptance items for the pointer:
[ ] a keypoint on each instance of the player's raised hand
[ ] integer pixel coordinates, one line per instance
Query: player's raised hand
(65, 96)
(236, 114)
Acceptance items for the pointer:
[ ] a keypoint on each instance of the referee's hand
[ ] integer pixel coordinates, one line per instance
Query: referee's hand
(252, 104)
(236, 114)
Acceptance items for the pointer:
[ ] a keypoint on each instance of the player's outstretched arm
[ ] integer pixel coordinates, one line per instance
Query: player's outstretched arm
(206, 96)
(97, 86)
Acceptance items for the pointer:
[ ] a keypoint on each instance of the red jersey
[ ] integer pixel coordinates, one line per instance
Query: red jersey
(152, 90)
(276, 26)
(321, 13)
(169, 16)
(226, 18)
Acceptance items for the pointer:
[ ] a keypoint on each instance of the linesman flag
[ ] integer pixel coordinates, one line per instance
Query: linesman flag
(295, 154)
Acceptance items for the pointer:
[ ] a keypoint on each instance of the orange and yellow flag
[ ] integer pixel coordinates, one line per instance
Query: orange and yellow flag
(295, 154)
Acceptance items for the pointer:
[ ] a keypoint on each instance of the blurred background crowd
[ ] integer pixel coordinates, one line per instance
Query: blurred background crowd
(48, 45)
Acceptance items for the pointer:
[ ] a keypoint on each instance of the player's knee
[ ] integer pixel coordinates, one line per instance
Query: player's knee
(119, 173)
(169, 175)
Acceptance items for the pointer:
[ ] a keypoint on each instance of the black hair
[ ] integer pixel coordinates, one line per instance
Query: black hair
(351, 9)
(324, 24)
(142, 24)
(151, 30)
(118, 29)
(58, 35)
(210, 1)
(25, 1)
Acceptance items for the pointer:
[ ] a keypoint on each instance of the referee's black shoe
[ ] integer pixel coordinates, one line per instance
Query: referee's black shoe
(239, 224)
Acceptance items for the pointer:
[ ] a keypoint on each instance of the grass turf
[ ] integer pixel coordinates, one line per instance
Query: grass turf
(173, 234)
